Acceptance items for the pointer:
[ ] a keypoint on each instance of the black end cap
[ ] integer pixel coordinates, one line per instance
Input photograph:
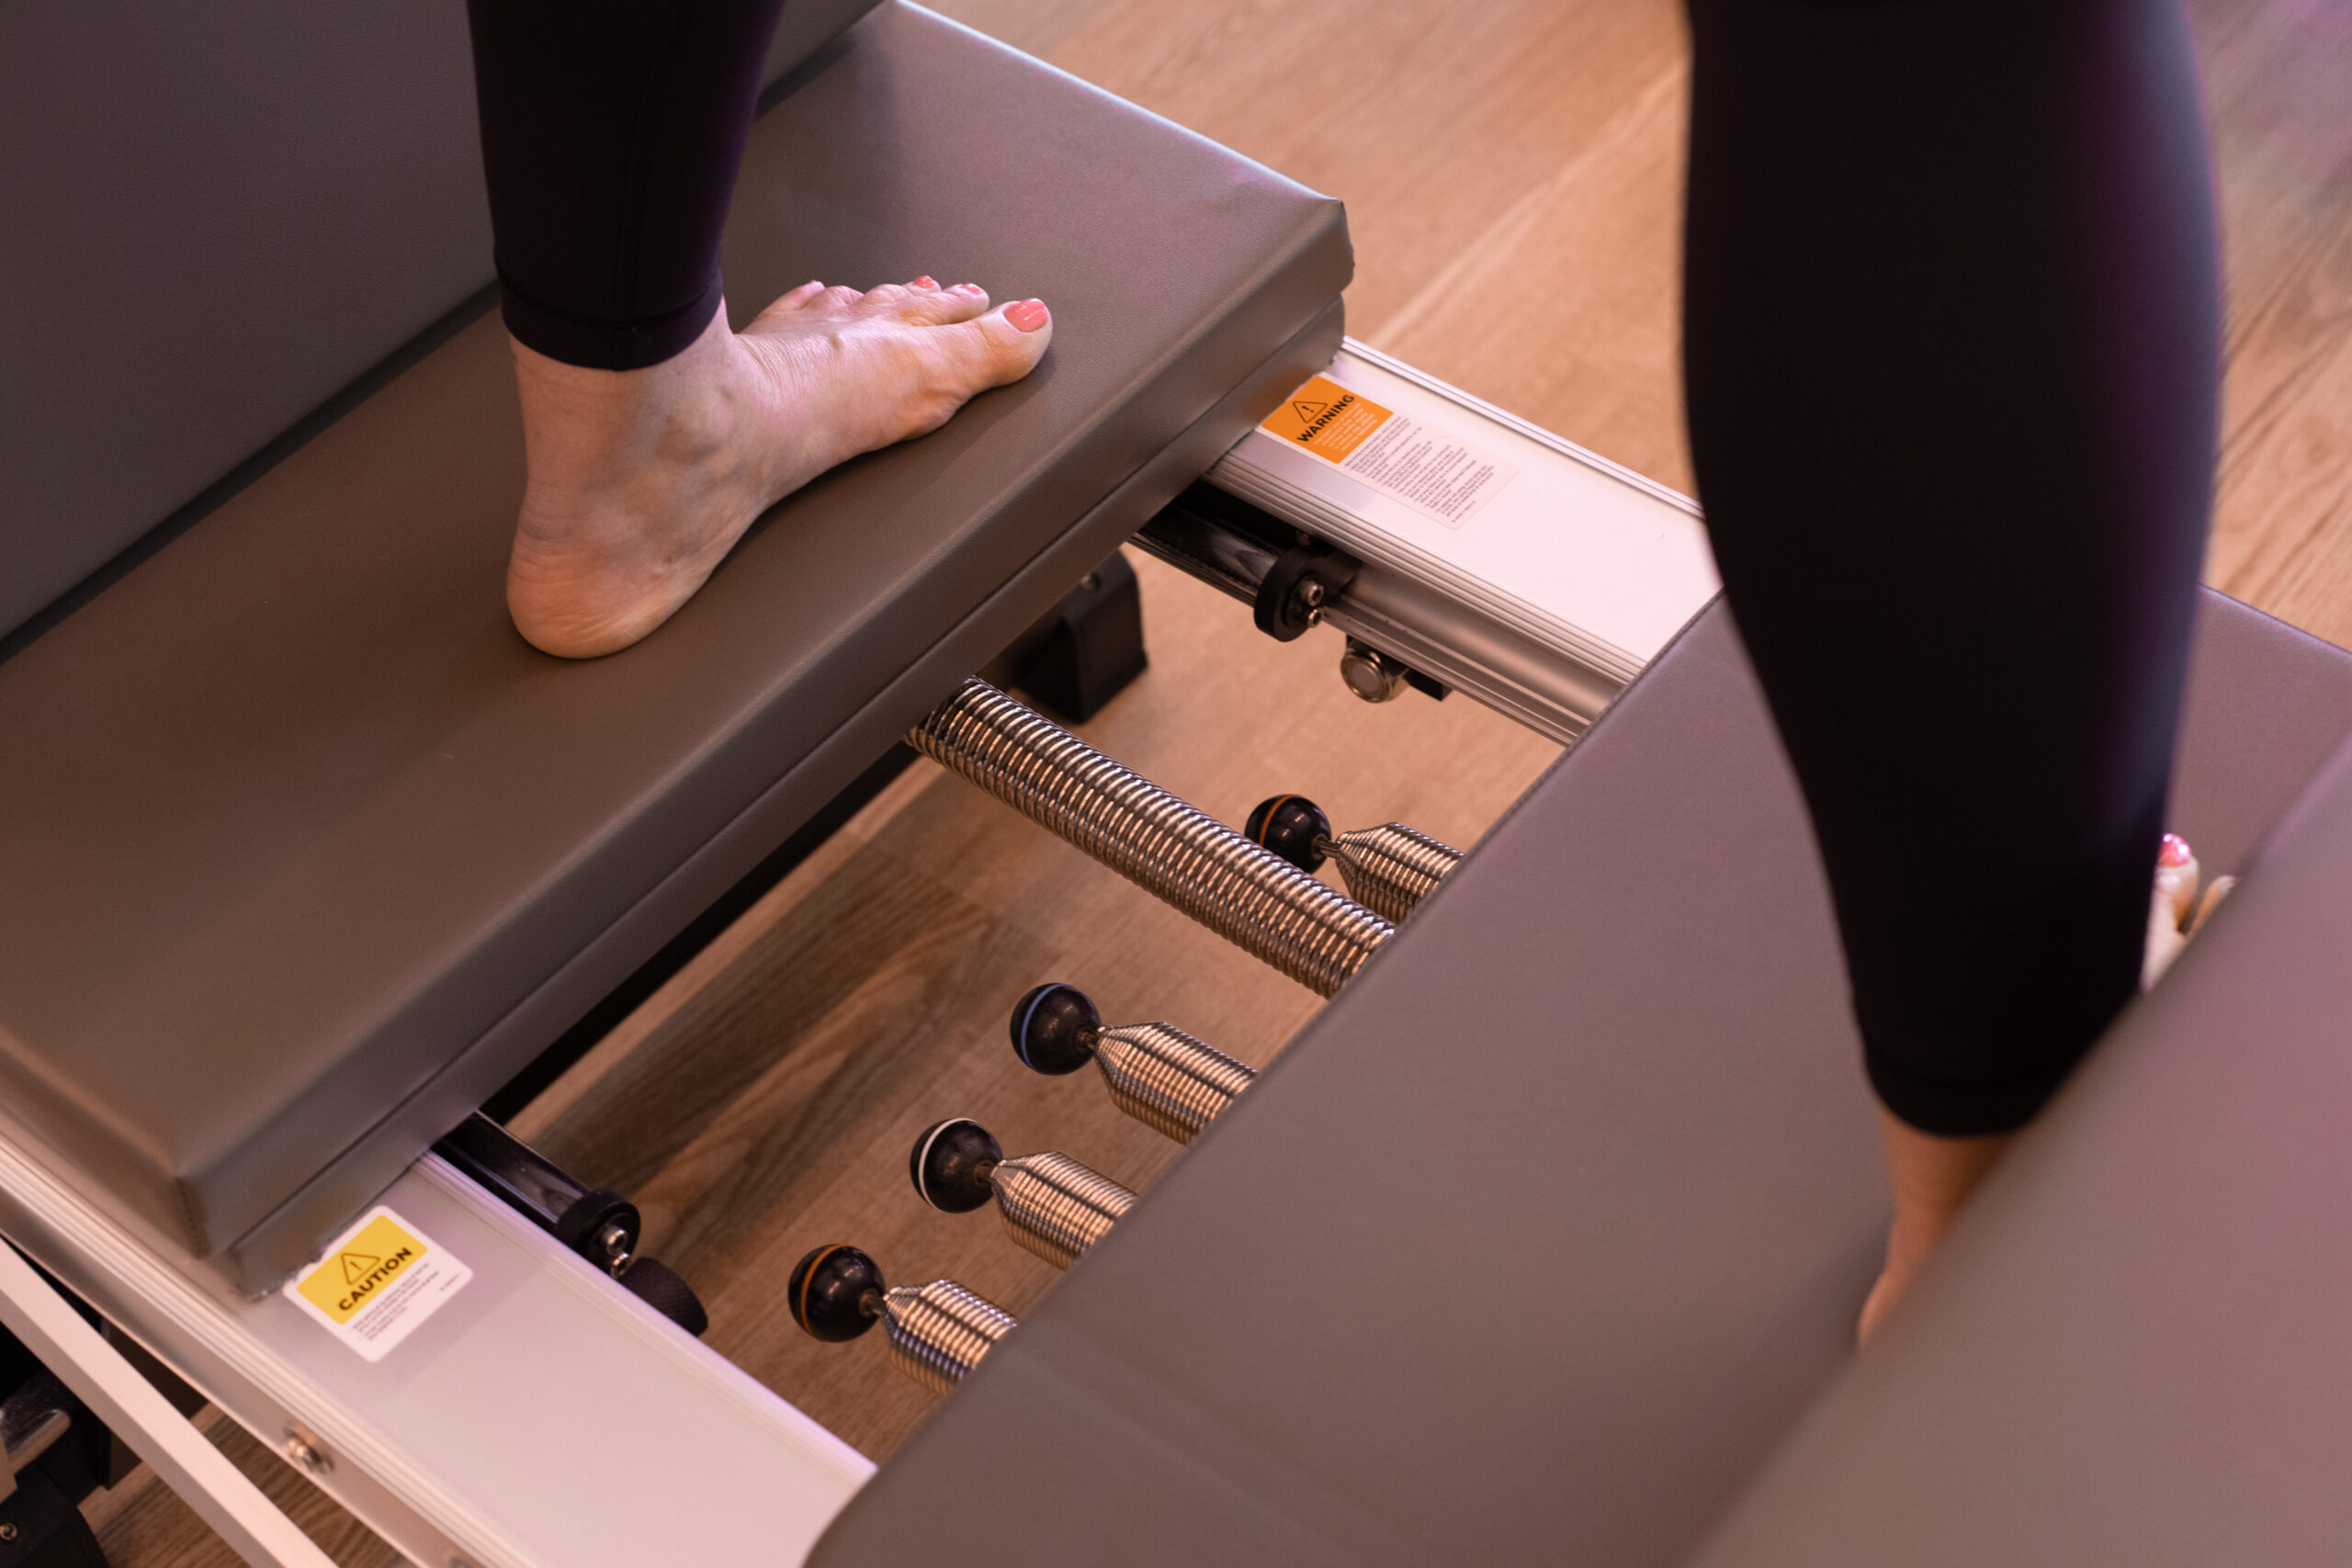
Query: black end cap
(1056, 1029)
(1289, 825)
(829, 1290)
(951, 1165)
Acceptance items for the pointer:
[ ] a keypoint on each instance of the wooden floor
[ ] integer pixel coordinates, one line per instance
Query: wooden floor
(1512, 175)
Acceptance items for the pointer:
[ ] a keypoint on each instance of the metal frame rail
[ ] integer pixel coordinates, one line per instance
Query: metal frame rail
(544, 1417)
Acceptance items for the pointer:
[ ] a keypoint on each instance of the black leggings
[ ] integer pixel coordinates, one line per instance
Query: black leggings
(1950, 345)
(611, 132)
(1951, 333)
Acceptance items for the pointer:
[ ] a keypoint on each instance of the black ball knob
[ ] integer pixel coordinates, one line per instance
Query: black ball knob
(952, 1163)
(835, 1293)
(1056, 1029)
(1289, 825)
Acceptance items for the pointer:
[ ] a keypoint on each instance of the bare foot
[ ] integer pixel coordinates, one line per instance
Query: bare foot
(2176, 913)
(1932, 1178)
(641, 482)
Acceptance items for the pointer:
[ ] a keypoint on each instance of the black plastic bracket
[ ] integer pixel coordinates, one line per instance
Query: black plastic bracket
(1084, 650)
(40, 1528)
(601, 1226)
(1302, 581)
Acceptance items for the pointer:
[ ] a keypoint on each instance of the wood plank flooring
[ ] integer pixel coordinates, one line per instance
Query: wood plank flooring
(1512, 173)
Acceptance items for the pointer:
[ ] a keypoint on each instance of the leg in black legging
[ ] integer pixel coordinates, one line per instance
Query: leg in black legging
(612, 133)
(1952, 349)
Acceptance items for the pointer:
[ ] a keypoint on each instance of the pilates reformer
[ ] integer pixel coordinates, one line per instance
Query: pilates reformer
(290, 884)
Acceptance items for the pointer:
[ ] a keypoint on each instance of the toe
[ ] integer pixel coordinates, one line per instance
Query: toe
(1005, 344)
(784, 304)
(961, 303)
(933, 307)
(2215, 891)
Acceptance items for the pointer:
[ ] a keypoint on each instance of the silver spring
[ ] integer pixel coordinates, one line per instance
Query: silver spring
(940, 1331)
(1167, 1080)
(1392, 867)
(1055, 1207)
(1246, 894)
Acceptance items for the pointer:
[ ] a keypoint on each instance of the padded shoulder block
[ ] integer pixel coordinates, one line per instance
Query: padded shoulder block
(1541, 1237)
(305, 850)
(2133, 1350)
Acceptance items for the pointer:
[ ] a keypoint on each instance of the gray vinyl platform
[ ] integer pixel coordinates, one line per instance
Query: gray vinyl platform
(1541, 1242)
(304, 850)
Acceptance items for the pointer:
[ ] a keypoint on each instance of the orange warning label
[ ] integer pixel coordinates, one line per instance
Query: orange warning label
(1326, 418)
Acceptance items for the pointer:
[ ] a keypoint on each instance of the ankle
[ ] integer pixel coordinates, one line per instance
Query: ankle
(584, 424)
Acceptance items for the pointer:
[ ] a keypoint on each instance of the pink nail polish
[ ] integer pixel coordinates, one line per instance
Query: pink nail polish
(2174, 851)
(1028, 315)
(926, 281)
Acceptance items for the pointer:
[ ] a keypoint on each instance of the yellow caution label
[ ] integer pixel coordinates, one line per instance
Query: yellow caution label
(356, 1273)
(377, 1283)
(1328, 419)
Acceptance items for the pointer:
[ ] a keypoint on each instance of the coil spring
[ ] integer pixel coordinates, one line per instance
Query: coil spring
(940, 1331)
(1239, 890)
(1392, 867)
(1166, 1080)
(1055, 1207)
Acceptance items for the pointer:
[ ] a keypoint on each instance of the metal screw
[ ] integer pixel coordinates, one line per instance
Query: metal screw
(7, 1531)
(615, 1239)
(1308, 597)
(306, 1451)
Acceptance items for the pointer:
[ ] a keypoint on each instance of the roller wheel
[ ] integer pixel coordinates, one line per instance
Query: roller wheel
(1056, 1029)
(835, 1293)
(657, 1285)
(1289, 825)
(951, 1164)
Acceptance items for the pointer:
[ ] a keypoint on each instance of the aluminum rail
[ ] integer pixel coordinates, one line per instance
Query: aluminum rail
(1231, 544)
(465, 1447)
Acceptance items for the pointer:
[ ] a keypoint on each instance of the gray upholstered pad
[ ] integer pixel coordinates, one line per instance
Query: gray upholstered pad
(1537, 1242)
(305, 849)
(2135, 1350)
(215, 216)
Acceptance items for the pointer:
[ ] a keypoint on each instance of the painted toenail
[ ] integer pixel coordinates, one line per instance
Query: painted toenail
(926, 281)
(1028, 315)
(2176, 850)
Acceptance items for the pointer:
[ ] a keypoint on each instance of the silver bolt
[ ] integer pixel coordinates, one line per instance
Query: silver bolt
(1369, 675)
(615, 1239)
(303, 1448)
